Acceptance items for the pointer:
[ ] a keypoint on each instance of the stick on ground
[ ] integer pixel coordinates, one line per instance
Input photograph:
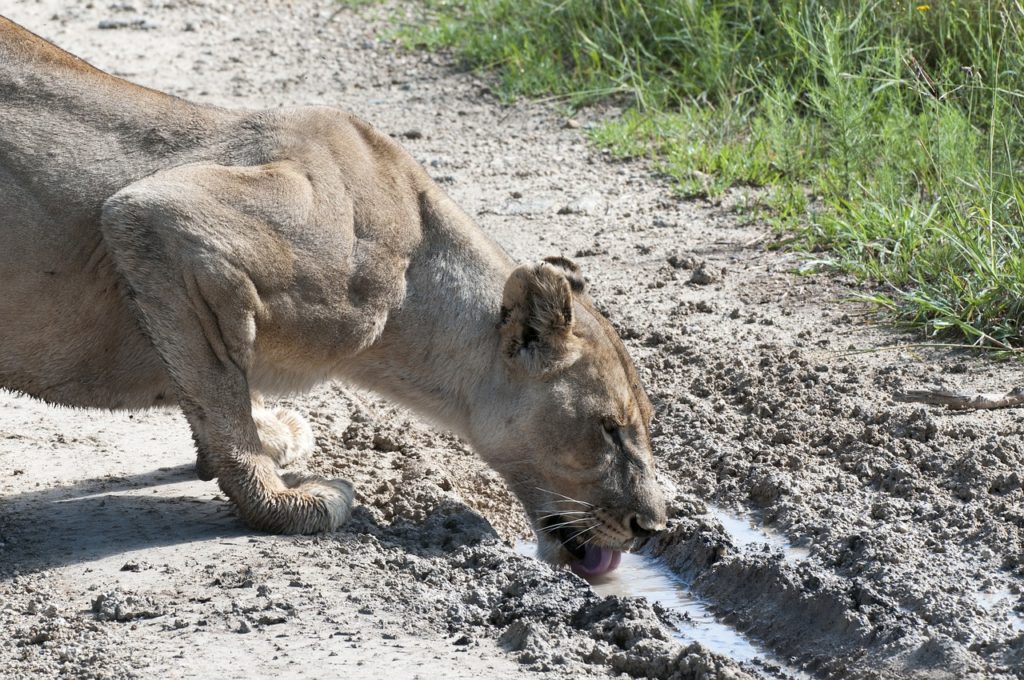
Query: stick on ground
(961, 401)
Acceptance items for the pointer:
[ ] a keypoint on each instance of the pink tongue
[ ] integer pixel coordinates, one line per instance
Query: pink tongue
(596, 561)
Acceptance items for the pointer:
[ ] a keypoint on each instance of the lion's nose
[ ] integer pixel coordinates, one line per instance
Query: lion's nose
(642, 526)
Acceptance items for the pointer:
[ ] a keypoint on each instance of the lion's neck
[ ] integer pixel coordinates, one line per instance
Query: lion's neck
(439, 353)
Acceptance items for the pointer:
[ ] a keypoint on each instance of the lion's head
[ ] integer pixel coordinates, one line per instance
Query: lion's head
(572, 437)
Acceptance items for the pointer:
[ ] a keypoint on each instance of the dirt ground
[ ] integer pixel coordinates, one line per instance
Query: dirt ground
(900, 528)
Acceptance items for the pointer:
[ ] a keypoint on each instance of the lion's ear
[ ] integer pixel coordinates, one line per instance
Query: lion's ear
(537, 319)
(571, 271)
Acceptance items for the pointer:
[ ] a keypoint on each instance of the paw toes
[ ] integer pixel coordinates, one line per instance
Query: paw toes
(333, 497)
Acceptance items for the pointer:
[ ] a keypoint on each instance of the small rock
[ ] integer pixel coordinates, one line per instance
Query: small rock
(271, 620)
(119, 606)
(591, 252)
(518, 636)
(679, 261)
(40, 637)
(134, 24)
(588, 204)
(384, 442)
(525, 206)
(703, 276)
(413, 134)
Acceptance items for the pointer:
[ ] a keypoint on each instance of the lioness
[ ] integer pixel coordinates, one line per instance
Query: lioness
(155, 251)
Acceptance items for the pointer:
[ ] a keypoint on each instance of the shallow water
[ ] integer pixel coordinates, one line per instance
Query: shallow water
(639, 576)
(747, 531)
(1001, 600)
(642, 576)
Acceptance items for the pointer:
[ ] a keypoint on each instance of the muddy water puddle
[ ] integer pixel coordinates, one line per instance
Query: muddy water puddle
(745, 530)
(642, 576)
(999, 602)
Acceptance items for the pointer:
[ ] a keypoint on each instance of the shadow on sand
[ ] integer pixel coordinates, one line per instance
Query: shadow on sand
(96, 518)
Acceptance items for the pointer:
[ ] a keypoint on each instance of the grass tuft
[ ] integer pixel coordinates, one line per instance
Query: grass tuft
(887, 134)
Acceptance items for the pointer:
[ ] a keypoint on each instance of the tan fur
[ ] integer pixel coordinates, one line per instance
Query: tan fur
(153, 251)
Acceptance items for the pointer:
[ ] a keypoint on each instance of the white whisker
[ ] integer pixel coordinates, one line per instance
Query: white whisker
(571, 523)
(562, 514)
(579, 533)
(572, 500)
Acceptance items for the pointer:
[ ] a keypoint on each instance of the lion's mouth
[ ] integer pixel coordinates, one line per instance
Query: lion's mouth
(568, 533)
(588, 560)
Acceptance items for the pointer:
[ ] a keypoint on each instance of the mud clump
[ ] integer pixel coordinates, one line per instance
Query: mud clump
(120, 606)
(704, 275)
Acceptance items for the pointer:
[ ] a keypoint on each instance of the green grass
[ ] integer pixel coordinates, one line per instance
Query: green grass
(887, 135)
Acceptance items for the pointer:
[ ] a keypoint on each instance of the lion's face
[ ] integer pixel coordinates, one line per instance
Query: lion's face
(573, 437)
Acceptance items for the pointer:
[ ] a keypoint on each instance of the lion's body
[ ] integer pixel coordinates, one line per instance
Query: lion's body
(67, 334)
(61, 162)
(154, 251)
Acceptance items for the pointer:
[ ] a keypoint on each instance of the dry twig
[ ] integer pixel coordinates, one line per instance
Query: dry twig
(960, 401)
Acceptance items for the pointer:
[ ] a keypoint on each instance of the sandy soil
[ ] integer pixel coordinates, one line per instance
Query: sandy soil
(899, 530)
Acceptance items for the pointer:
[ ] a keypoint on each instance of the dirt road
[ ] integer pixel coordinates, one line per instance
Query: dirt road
(847, 534)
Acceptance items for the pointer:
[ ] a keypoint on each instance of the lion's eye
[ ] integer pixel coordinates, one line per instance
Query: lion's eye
(612, 431)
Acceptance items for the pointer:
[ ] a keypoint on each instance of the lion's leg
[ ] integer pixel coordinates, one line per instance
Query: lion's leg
(206, 465)
(285, 436)
(246, 469)
(197, 307)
